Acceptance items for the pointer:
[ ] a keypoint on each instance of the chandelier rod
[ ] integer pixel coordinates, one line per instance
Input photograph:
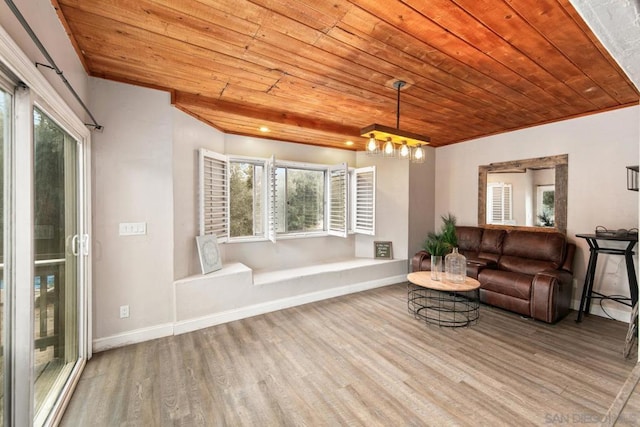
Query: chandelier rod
(399, 84)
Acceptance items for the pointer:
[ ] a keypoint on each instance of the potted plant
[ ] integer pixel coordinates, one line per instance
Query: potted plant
(440, 244)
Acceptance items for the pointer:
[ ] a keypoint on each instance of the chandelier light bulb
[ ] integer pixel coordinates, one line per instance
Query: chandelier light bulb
(404, 150)
(372, 146)
(388, 147)
(418, 155)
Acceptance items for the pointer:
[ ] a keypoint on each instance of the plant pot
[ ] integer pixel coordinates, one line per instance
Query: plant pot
(436, 267)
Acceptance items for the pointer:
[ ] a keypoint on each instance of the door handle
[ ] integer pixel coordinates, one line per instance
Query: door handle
(74, 244)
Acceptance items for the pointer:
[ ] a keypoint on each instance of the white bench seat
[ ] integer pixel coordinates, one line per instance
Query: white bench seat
(236, 291)
(341, 272)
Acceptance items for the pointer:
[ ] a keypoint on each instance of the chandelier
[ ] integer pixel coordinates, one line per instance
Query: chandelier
(410, 144)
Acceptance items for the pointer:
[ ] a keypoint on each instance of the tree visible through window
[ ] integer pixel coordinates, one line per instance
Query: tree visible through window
(245, 202)
(250, 198)
(299, 200)
(546, 195)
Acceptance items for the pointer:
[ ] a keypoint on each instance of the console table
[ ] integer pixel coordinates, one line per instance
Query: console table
(587, 291)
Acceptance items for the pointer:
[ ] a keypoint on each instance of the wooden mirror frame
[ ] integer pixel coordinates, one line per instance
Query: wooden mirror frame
(561, 165)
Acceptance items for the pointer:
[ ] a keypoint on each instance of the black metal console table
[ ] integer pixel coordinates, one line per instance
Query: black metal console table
(587, 291)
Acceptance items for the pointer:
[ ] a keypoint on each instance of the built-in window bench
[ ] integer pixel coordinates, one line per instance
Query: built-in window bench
(236, 291)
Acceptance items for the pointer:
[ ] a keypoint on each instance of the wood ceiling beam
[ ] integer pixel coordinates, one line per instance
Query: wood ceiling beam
(267, 115)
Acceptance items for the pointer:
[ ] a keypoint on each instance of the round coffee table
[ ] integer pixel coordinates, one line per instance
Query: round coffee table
(441, 302)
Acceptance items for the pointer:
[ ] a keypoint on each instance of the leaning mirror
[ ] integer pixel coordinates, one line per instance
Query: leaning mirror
(524, 193)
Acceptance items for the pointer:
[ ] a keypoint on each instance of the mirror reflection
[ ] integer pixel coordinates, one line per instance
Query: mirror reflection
(523, 197)
(524, 193)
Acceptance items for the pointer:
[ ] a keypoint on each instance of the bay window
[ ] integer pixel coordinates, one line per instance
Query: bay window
(245, 199)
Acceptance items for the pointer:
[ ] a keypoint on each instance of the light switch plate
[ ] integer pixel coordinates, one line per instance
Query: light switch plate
(133, 228)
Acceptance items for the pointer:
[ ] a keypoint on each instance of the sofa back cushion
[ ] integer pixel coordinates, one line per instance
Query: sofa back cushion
(531, 252)
(469, 238)
(491, 245)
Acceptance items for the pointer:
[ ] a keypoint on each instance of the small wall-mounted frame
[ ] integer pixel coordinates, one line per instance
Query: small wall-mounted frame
(632, 178)
(383, 250)
(209, 253)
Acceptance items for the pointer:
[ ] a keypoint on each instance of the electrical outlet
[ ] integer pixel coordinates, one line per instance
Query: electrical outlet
(124, 311)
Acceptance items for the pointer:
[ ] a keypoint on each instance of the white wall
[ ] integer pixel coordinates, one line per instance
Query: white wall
(422, 188)
(132, 182)
(392, 205)
(189, 135)
(599, 147)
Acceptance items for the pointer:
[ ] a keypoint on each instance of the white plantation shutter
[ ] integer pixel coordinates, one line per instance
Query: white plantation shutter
(271, 199)
(364, 204)
(338, 214)
(499, 203)
(507, 214)
(214, 194)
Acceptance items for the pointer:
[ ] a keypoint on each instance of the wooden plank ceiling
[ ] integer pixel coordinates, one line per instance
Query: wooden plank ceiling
(316, 72)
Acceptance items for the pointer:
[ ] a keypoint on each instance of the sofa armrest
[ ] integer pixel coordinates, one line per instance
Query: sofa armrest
(421, 261)
(476, 265)
(551, 295)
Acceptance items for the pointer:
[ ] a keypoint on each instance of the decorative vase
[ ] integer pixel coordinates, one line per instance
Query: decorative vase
(436, 267)
(455, 267)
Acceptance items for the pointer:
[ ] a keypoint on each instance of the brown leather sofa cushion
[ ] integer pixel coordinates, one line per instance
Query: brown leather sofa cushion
(517, 285)
(491, 245)
(524, 265)
(469, 238)
(535, 246)
(516, 305)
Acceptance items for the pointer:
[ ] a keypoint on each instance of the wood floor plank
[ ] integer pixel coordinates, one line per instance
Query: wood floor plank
(359, 359)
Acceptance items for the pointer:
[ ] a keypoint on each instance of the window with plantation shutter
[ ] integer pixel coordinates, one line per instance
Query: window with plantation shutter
(249, 199)
(338, 199)
(214, 195)
(499, 202)
(364, 200)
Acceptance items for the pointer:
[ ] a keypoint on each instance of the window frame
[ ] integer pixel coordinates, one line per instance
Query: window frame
(310, 167)
(540, 190)
(265, 163)
(270, 166)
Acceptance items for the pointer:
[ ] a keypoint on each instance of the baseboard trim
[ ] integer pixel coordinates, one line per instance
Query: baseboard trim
(168, 329)
(621, 314)
(267, 307)
(132, 337)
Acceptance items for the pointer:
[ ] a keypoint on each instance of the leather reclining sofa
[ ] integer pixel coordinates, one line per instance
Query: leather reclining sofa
(527, 272)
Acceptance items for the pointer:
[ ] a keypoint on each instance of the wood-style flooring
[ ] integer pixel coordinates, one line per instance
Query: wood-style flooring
(360, 359)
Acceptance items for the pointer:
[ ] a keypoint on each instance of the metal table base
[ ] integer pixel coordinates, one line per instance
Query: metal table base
(443, 308)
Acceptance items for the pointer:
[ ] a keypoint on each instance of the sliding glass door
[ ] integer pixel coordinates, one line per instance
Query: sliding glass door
(5, 137)
(57, 245)
(44, 249)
